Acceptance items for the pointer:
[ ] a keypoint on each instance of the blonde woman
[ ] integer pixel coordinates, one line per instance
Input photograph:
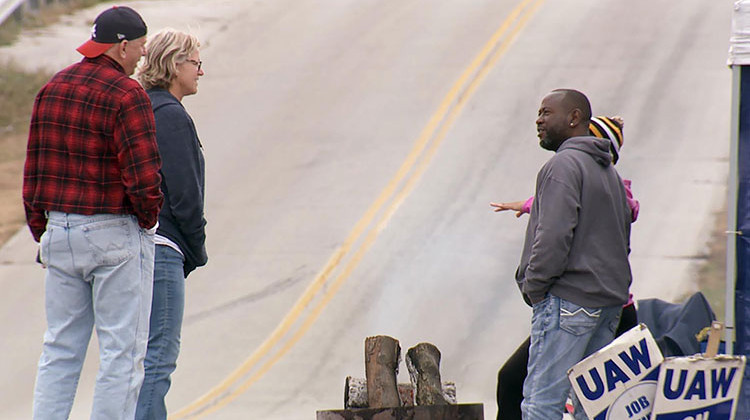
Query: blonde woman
(170, 71)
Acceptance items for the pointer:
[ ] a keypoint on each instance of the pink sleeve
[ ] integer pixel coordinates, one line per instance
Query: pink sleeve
(635, 206)
(526, 208)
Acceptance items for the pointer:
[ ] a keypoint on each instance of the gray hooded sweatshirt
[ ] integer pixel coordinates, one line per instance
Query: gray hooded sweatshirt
(578, 236)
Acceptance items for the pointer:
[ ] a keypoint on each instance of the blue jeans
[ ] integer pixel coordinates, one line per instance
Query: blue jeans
(164, 337)
(562, 334)
(99, 271)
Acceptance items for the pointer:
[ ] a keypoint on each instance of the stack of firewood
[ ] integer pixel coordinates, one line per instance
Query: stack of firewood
(380, 388)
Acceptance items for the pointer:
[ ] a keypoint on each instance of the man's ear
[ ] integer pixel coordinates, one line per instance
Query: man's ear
(574, 118)
(121, 49)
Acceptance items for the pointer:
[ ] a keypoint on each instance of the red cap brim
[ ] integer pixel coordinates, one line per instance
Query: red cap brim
(92, 48)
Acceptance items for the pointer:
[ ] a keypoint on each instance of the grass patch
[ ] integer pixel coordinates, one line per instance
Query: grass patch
(46, 15)
(9, 30)
(712, 273)
(18, 89)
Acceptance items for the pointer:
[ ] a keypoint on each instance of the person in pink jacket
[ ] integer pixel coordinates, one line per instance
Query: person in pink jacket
(603, 127)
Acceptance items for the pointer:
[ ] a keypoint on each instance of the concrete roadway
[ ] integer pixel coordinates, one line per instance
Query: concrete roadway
(352, 150)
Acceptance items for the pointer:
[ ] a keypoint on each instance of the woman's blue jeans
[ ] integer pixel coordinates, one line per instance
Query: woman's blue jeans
(167, 310)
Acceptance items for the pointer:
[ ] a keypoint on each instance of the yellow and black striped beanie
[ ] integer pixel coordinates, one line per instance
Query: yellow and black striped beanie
(607, 128)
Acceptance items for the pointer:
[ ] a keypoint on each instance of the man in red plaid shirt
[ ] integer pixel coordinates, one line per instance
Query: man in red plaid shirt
(92, 199)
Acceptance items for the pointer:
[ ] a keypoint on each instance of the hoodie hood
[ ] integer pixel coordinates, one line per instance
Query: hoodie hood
(597, 148)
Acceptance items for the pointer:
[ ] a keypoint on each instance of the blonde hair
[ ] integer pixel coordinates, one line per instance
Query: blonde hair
(164, 51)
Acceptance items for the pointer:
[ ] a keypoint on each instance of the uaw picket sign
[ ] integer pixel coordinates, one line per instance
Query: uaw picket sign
(619, 381)
(698, 388)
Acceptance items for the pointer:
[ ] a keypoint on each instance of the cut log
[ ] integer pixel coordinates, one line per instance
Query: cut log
(355, 393)
(382, 356)
(423, 362)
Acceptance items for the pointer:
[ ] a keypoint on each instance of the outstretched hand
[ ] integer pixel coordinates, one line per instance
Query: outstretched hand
(516, 206)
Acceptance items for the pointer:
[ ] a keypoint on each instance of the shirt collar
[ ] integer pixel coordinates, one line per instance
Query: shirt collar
(105, 60)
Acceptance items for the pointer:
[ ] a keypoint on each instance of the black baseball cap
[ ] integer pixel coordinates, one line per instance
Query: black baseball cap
(111, 27)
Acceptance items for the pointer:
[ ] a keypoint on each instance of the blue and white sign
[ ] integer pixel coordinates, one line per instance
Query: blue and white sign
(696, 388)
(619, 382)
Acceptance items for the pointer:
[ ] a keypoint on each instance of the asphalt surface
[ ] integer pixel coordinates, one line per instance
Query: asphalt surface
(353, 147)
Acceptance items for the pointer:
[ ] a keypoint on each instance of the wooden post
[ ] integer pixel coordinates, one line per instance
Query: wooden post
(382, 355)
(423, 362)
(714, 337)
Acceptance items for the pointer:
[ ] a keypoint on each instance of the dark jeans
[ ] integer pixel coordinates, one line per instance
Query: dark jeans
(511, 376)
(164, 335)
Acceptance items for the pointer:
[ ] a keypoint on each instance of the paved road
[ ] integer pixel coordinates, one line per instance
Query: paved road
(352, 149)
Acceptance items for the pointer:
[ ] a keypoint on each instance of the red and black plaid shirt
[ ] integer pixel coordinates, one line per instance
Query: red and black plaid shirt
(92, 147)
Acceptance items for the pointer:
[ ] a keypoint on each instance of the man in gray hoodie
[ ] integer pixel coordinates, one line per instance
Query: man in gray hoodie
(574, 268)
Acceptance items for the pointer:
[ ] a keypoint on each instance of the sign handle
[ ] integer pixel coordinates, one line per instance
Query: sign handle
(714, 336)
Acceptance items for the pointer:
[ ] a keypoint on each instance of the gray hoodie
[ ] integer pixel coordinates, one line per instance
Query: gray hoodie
(578, 236)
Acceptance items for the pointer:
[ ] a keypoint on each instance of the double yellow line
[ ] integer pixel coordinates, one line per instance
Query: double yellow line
(385, 206)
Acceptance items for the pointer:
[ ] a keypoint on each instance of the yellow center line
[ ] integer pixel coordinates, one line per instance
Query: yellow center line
(452, 105)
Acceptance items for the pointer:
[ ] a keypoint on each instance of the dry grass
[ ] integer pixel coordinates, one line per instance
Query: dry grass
(11, 206)
(712, 273)
(47, 15)
(17, 92)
